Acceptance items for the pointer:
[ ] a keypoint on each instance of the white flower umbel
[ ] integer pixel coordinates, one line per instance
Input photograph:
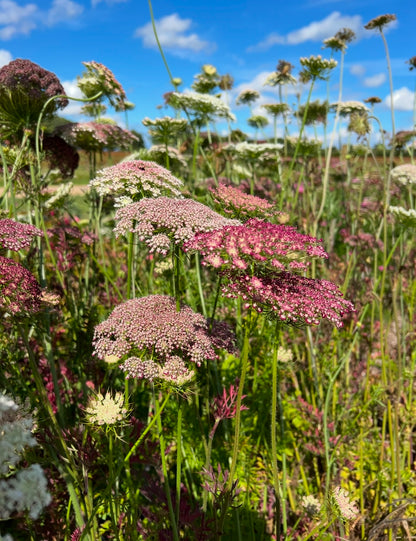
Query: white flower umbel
(404, 174)
(252, 151)
(405, 217)
(201, 104)
(349, 107)
(26, 489)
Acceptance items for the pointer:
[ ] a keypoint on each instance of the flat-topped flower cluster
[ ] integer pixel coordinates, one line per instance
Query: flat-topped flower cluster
(161, 221)
(136, 179)
(159, 340)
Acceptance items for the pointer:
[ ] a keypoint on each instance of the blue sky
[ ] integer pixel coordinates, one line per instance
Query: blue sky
(243, 38)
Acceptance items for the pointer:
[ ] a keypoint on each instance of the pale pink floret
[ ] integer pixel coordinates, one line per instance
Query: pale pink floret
(176, 219)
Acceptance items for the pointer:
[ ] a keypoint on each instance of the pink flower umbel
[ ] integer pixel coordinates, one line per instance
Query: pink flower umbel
(160, 341)
(15, 235)
(161, 221)
(266, 245)
(239, 204)
(96, 137)
(260, 262)
(224, 407)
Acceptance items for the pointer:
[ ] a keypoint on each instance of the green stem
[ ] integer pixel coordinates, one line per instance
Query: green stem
(162, 446)
(178, 459)
(244, 366)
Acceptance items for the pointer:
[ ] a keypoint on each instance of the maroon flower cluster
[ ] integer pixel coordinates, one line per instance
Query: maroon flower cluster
(161, 220)
(152, 328)
(279, 247)
(19, 291)
(290, 298)
(60, 155)
(16, 235)
(37, 83)
(95, 137)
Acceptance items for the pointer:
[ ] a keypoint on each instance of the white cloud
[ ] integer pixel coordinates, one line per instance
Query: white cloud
(375, 80)
(71, 89)
(272, 39)
(173, 34)
(16, 19)
(62, 10)
(110, 2)
(5, 57)
(357, 69)
(315, 31)
(403, 99)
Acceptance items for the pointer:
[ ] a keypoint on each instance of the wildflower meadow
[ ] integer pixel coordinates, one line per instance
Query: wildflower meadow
(213, 337)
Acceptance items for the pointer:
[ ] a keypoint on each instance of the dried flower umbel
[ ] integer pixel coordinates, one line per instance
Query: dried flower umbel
(160, 341)
(136, 179)
(162, 221)
(378, 23)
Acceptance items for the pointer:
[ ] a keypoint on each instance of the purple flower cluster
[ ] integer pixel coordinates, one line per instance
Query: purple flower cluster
(279, 247)
(136, 178)
(95, 136)
(15, 235)
(158, 338)
(37, 83)
(162, 220)
(19, 290)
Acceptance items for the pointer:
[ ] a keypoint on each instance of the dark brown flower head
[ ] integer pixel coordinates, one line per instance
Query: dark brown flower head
(380, 22)
(412, 62)
(60, 155)
(372, 100)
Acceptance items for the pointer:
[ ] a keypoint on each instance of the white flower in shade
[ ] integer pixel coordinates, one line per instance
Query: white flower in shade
(311, 505)
(404, 174)
(106, 409)
(24, 489)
